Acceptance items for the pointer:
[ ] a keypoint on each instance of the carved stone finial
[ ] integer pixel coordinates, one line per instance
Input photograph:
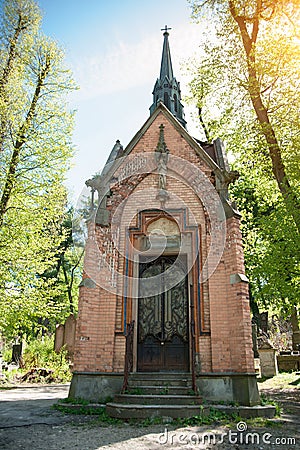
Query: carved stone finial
(162, 156)
(161, 146)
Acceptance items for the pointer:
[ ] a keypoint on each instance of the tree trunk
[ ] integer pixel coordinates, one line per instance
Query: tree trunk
(21, 139)
(206, 132)
(278, 168)
(21, 26)
(69, 288)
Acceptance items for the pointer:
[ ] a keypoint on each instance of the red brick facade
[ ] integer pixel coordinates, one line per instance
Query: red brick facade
(107, 303)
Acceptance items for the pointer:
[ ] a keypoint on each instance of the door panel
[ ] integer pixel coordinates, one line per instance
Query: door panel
(163, 317)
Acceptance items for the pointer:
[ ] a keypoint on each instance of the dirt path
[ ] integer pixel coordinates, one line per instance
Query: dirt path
(27, 422)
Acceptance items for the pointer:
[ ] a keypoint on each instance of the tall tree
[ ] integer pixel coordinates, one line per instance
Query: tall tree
(247, 90)
(265, 42)
(35, 151)
(67, 270)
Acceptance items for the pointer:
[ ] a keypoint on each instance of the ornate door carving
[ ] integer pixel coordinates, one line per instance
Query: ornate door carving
(163, 317)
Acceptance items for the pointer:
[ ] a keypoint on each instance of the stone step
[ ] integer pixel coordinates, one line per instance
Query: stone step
(159, 390)
(137, 411)
(158, 399)
(158, 382)
(160, 378)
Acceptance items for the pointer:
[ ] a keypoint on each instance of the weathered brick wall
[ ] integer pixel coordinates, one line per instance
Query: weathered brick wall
(224, 333)
(238, 301)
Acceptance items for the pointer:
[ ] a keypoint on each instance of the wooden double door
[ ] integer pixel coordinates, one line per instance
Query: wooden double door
(163, 330)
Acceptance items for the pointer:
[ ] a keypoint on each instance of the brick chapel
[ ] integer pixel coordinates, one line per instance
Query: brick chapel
(164, 290)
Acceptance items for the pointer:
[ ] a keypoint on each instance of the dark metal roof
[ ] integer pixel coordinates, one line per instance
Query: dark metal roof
(166, 63)
(167, 88)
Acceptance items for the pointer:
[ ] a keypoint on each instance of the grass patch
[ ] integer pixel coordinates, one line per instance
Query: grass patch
(145, 422)
(86, 410)
(214, 416)
(264, 422)
(211, 417)
(79, 407)
(204, 418)
(74, 401)
(295, 382)
(135, 391)
(284, 380)
(6, 388)
(266, 400)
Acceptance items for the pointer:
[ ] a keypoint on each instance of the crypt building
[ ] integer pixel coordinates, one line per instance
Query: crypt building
(164, 291)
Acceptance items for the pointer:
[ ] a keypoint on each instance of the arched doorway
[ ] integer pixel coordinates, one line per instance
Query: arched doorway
(163, 331)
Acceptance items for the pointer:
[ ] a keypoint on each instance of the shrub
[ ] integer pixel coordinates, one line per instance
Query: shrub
(40, 353)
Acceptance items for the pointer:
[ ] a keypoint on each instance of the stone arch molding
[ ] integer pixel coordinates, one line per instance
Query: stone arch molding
(163, 226)
(137, 167)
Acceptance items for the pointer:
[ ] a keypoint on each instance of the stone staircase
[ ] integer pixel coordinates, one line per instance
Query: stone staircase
(156, 394)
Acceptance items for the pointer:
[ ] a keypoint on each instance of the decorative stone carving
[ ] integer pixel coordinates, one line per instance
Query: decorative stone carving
(162, 156)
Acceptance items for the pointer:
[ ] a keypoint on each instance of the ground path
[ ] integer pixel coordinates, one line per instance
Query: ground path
(28, 422)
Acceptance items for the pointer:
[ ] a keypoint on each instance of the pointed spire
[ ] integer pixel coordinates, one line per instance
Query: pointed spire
(166, 63)
(167, 88)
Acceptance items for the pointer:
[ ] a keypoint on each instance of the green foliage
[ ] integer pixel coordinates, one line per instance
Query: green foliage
(271, 242)
(35, 150)
(75, 401)
(204, 418)
(6, 353)
(223, 87)
(281, 381)
(40, 353)
(80, 409)
(135, 391)
(266, 400)
(148, 422)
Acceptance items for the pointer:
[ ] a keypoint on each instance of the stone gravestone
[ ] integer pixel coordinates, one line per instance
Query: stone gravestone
(264, 321)
(16, 353)
(65, 335)
(69, 335)
(268, 360)
(59, 338)
(296, 340)
(255, 350)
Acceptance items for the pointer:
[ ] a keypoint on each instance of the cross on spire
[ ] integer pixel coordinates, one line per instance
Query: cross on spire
(166, 29)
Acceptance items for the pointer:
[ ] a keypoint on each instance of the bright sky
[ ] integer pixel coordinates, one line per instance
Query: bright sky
(114, 50)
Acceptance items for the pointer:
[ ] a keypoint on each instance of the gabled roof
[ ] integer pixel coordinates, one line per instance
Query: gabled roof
(223, 175)
(199, 150)
(161, 108)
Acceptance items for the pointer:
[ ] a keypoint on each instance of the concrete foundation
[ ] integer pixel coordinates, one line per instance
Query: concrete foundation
(229, 387)
(218, 387)
(95, 386)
